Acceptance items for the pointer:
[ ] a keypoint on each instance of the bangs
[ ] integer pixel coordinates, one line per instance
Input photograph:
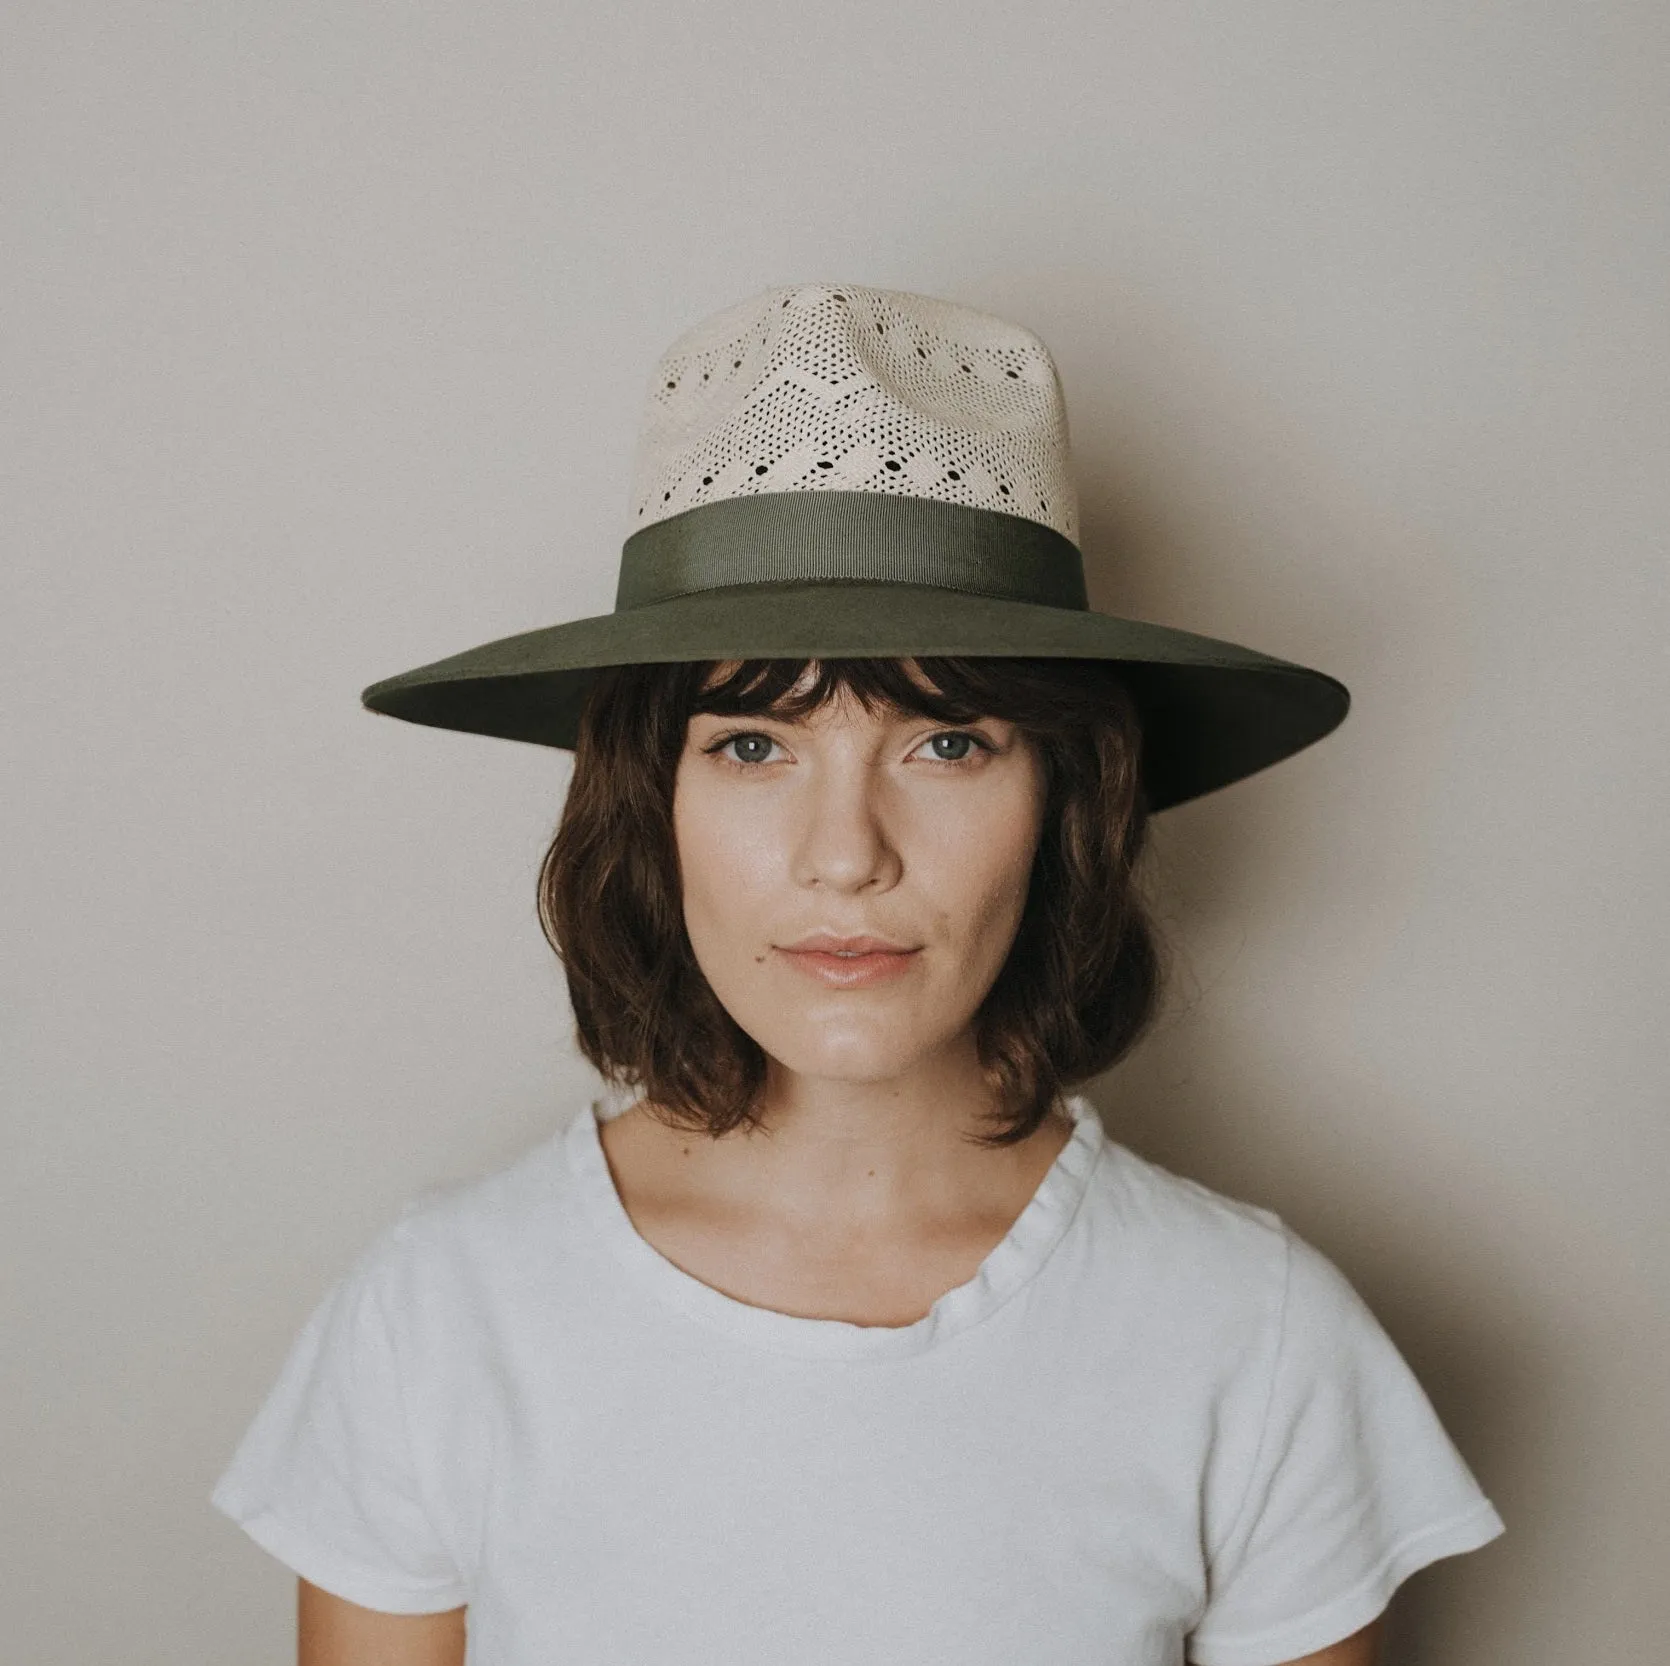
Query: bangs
(954, 691)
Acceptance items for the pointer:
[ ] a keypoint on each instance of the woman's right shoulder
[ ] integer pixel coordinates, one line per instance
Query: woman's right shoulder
(456, 1240)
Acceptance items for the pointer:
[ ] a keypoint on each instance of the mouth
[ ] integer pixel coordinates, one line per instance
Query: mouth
(849, 968)
(823, 942)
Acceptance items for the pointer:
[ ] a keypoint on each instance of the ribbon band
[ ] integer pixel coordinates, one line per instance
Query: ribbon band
(872, 537)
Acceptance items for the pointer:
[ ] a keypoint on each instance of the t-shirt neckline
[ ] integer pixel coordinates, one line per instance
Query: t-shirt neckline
(1013, 1263)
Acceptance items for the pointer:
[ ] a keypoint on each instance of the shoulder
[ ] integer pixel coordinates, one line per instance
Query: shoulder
(1163, 1212)
(461, 1245)
(1234, 1273)
(1196, 1265)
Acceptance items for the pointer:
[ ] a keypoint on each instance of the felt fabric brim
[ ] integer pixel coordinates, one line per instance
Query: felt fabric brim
(1213, 712)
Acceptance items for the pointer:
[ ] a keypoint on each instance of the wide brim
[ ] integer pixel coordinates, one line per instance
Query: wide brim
(1213, 712)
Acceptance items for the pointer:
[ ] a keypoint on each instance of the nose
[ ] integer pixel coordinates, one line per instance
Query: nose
(844, 841)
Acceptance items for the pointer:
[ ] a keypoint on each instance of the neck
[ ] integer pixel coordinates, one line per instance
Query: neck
(840, 1160)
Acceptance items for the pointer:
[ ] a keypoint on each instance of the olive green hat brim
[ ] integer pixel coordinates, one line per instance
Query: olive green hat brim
(1213, 712)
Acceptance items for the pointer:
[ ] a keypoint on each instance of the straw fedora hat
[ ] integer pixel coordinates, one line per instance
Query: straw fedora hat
(827, 470)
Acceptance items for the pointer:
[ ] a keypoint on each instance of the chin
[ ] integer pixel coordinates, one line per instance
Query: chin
(853, 1058)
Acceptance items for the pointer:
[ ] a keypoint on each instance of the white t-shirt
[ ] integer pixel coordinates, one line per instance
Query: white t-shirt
(1154, 1426)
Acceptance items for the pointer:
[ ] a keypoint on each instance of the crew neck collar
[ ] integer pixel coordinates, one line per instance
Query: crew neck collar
(1017, 1259)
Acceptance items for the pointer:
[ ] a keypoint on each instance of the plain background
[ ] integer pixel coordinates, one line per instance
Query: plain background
(326, 328)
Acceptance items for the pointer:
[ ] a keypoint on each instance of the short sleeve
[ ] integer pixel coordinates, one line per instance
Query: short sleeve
(324, 1477)
(1355, 1485)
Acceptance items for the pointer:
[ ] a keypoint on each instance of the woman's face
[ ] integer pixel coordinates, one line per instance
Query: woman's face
(859, 825)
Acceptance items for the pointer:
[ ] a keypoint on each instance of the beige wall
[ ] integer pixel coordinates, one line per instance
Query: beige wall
(325, 331)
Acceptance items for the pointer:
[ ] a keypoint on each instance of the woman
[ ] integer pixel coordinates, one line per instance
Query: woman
(853, 1338)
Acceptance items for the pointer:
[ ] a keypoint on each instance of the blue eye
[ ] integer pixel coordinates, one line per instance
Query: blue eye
(761, 745)
(968, 746)
(752, 748)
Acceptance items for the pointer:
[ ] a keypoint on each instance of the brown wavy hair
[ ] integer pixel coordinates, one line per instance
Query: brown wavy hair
(1082, 981)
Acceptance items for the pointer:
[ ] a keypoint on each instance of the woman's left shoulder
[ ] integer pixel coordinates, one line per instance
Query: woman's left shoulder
(1193, 1244)
(1163, 1200)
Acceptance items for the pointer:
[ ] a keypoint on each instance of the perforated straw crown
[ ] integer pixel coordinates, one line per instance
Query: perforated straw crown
(833, 470)
(821, 387)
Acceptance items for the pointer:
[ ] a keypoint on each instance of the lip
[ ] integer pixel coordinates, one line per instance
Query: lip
(850, 971)
(849, 962)
(823, 942)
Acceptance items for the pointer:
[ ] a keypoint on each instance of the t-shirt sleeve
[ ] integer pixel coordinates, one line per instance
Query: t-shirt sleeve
(324, 1477)
(1354, 1485)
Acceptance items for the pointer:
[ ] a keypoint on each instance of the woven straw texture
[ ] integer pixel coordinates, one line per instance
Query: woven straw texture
(838, 387)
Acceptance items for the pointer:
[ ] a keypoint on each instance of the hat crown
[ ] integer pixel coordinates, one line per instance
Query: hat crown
(843, 387)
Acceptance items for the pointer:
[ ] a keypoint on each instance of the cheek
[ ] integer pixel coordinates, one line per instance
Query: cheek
(985, 891)
(725, 861)
(983, 863)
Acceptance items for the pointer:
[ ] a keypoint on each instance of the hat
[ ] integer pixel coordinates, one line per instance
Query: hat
(827, 470)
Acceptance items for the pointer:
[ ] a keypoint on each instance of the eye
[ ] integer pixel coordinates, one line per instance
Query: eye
(753, 746)
(956, 737)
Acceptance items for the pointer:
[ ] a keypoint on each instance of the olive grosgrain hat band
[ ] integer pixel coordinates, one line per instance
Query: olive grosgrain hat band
(785, 536)
(832, 471)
